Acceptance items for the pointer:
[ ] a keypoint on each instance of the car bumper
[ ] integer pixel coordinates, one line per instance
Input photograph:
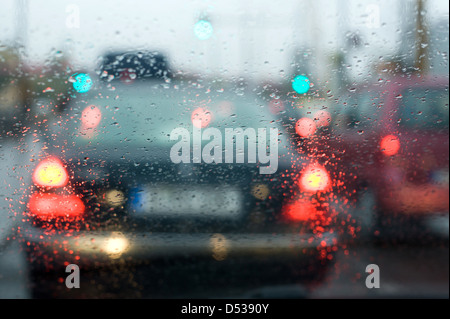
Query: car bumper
(107, 247)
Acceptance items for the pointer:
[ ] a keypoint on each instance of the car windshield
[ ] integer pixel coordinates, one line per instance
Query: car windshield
(224, 150)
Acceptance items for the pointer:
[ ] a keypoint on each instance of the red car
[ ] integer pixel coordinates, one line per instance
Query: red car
(394, 136)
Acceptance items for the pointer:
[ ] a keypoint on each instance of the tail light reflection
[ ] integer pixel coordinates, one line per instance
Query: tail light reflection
(49, 205)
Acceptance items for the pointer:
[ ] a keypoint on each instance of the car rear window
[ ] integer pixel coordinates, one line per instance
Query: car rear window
(362, 110)
(147, 113)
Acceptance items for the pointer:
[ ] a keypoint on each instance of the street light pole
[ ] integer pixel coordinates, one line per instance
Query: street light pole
(421, 44)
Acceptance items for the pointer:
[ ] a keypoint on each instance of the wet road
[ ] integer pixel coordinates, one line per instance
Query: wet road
(405, 272)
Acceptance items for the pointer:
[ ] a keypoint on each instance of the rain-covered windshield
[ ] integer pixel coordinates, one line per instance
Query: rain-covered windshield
(425, 108)
(224, 149)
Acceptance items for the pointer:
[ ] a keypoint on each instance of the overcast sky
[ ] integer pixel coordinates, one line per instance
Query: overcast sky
(257, 37)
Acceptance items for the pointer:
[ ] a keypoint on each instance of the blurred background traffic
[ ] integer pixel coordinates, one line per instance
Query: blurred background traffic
(359, 89)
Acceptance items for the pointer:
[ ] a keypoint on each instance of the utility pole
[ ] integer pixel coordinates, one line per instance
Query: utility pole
(421, 58)
(21, 23)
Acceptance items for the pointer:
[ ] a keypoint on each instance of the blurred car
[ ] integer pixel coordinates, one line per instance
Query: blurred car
(394, 137)
(134, 65)
(106, 192)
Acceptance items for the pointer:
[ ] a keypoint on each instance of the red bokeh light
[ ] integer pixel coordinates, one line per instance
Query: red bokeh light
(91, 117)
(300, 210)
(54, 205)
(390, 145)
(201, 117)
(50, 173)
(305, 127)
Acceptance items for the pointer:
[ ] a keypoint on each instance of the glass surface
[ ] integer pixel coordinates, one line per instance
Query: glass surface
(167, 149)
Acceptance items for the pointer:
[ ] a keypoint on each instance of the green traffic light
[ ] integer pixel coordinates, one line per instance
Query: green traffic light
(203, 29)
(301, 84)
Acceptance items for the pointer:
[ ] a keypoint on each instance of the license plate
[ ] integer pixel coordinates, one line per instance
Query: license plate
(192, 201)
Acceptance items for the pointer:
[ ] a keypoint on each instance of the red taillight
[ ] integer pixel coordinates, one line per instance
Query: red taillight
(315, 178)
(300, 210)
(390, 145)
(50, 173)
(54, 205)
(305, 127)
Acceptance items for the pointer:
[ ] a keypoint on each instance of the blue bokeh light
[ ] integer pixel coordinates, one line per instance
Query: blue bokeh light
(83, 82)
(301, 84)
(203, 29)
